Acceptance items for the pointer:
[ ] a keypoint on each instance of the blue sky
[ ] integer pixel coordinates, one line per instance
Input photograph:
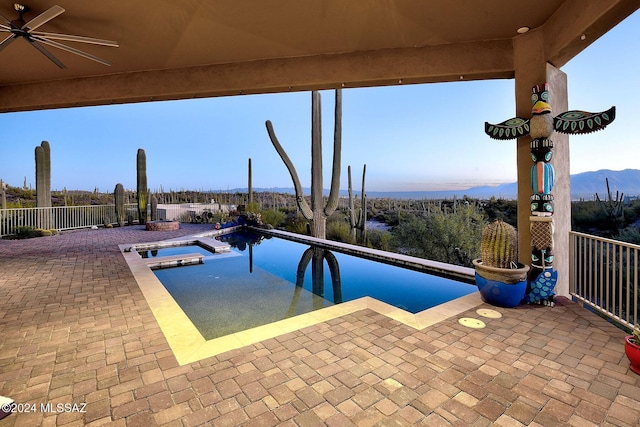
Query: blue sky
(414, 137)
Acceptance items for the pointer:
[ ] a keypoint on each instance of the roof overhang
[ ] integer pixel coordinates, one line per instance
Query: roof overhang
(203, 48)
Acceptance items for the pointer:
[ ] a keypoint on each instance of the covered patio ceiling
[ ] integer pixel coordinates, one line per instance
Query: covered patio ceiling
(203, 48)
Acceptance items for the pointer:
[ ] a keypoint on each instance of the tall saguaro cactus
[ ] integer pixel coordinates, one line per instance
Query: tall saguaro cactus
(43, 182)
(249, 183)
(316, 214)
(3, 195)
(358, 220)
(153, 201)
(118, 195)
(43, 175)
(142, 185)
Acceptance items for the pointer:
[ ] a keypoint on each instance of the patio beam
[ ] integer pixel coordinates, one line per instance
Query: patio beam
(442, 63)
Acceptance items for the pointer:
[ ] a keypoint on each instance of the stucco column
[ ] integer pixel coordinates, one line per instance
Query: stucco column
(532, 69)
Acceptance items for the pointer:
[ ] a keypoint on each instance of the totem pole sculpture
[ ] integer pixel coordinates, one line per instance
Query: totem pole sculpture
(540, 126)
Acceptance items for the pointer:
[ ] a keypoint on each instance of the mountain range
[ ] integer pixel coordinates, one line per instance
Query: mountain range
(583, 186)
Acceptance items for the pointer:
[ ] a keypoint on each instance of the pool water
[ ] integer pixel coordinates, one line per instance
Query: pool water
(263, 280)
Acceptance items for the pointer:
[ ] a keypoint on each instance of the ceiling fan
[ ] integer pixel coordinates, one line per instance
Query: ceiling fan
(19, 28)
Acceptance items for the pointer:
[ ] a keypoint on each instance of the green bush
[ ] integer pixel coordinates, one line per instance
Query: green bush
(185, 218)
(219, 217)
(27, 232)
(629, 234)
(273, 217)
(252, 207)
(379, 239)
(453, 238)
(339, 231)
(297, 224)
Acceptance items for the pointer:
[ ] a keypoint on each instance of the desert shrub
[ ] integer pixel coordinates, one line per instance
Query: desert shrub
(339, 231)
(453, 238)
(503, 210)
(297, 223)
(252, 207)
(379, 239)
(27, 232)
(587, 217)
(629, 234)
(185, 217)
(219, 217)
(273, 217)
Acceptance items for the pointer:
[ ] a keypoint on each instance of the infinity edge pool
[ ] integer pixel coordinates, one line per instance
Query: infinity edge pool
(189, 346)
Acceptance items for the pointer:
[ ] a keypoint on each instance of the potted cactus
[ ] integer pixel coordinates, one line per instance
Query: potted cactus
(500, 278)
(632, 349)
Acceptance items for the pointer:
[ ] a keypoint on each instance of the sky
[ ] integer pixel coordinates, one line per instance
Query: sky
(412, 137)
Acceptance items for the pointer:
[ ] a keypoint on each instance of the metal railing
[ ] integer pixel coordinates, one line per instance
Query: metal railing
(61, 217)
(604, 276)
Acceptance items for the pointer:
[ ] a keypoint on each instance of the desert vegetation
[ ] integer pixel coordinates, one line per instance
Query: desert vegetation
(442, 230)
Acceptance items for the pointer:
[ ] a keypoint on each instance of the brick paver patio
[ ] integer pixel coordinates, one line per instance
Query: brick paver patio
(76, 329)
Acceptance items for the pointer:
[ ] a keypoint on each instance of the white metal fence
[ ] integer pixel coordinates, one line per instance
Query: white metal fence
(70, 217)
(61, 217)
(604, 276)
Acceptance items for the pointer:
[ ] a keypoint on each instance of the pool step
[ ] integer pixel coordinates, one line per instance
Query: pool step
(214, 245)
(174, 260)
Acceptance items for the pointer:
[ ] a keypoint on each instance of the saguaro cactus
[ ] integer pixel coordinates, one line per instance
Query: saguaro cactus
(612, 208)
(154, 207)
(118, 195)
(43, 175)
(316, 214)
(249, 184)
(142, 186)
(3, 195)
(358, 219)
(43, 183)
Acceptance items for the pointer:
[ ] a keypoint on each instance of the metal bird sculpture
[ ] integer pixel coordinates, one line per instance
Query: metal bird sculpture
(542, 123)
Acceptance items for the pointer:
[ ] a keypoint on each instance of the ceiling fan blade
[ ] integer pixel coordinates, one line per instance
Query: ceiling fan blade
(72, 38)
(46, 53)
(70, 49)
(5, 27)
(6, 42)
(43, 18)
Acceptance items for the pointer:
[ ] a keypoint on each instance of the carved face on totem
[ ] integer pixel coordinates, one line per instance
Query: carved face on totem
(542, 259)
(541, 149)
(542, 205)
(540, 99)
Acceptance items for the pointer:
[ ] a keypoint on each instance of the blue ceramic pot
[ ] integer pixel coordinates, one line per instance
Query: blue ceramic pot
(501, 286)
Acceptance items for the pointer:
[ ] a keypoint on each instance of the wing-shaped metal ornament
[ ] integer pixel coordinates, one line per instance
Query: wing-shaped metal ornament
(509, 129)
(577, 122)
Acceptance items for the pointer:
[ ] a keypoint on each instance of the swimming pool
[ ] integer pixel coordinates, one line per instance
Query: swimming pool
(263, 280)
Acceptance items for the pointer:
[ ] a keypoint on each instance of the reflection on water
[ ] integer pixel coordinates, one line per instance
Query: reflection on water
(223, 296)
